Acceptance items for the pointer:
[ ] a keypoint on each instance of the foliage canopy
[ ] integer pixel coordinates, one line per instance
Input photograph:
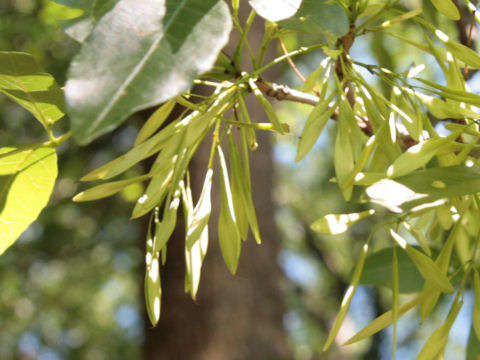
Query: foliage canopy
(389, 153)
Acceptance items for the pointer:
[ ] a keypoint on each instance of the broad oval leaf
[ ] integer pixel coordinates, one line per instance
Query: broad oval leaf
(79, 28)
(141, 54)
(275, 10)
(26, 182)
(23, 81)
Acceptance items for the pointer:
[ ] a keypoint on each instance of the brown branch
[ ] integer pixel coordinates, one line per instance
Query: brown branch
(290, 61)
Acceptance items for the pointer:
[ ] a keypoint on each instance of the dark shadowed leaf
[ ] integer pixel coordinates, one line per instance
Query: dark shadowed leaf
(378, 271)
(473, 346)
(319, 17)
(139, 55)
(80, 27)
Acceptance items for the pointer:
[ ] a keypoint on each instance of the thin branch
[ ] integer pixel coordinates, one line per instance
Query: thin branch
(290, 61)
(283, 92)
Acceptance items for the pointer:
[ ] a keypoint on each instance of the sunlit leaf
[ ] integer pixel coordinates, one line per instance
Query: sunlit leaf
(476, 306)
(473, 346)
(447, 8)
(436, 343)
(154, 122)
(23, 81)
(26, 182)
(424, 188)
(427, 268)
(107, 189)
(275, 10)
(228, 233)
(196, 241)
(153, 289)
(128, 64)
(384, 320)
(347, 298)
(338, 223)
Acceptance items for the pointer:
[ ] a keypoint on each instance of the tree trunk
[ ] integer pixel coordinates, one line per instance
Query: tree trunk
(234, 317)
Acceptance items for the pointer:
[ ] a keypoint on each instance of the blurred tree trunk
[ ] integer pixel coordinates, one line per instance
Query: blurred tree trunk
(235, 317)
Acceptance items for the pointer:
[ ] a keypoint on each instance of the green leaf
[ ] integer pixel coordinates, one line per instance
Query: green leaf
(164, 228)
(435, 345)
(23, 81)
(476, 306)
(462, 52)
(425, 188)
(196, 241)
(26, 182)
(139, 56)
(153, 288)
(378, 271)
(80, 27)
(447, 8)
(275, 10)
(419, 155)
(427, 268)
(473, 346)
(318, 17)
(107, 189)
(228, 232)
(347, 298)
(338, 223)
(384, 320)
(314, 125)
(155, 121)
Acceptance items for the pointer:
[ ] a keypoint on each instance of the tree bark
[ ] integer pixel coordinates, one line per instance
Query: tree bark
(234, 317)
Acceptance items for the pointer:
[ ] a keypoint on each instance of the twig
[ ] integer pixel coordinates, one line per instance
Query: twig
(290, 61)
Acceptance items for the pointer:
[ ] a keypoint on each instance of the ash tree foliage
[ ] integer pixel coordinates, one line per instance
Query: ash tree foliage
(388, 152)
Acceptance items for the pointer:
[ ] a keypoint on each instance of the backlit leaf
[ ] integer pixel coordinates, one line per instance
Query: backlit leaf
(447, 8)
(139, 55)
(23, 81)
(26, 182)
(275, 10)
(153, 289)
(338, 223)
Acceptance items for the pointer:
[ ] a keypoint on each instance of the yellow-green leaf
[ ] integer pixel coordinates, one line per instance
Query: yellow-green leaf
(476, 306)
(22, 80)
(338, 223)
(347, 298)
(447, 8)
(427, 268)
(228, 233)
(107, 189)
(154, 122)
(153, 289)
(26, 182)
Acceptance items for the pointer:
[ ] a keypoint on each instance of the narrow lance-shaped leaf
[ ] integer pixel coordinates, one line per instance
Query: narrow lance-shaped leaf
(347, 298)
(107, 189)
(155, 121)
(165, 227)
(196, 242)
(23, 81)
(385, 320)
(228, 233)
(435, 345)
(425, 265)
(139, 55)
(153, 289)
(26, 182)
(447, 8)
(476, 306)
(395, 295)
(338, 223)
